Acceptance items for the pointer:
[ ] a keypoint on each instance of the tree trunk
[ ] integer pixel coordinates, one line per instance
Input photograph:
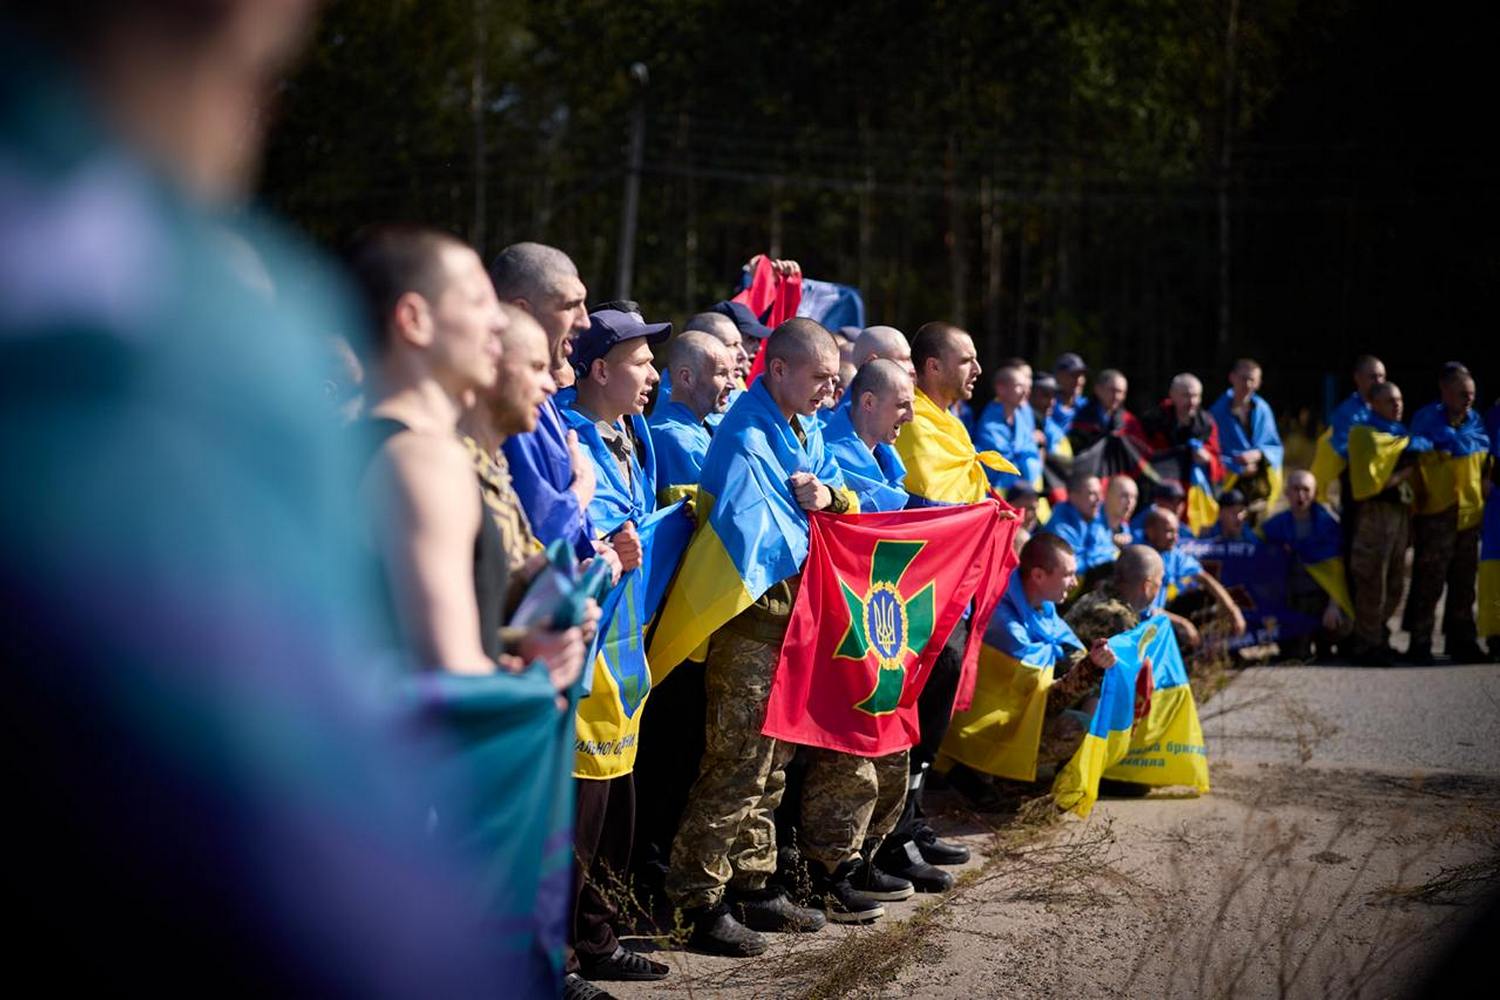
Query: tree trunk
(1226, 153)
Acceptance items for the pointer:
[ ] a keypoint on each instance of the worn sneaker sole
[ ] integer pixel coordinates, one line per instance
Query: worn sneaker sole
(837, 916)
(893, 896)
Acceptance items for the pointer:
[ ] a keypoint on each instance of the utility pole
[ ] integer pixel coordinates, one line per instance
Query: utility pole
(631, 210)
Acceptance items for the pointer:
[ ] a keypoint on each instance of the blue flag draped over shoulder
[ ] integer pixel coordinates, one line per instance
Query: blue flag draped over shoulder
(506, 753)
(874, 476)
(752, 533)
(1164, 748)
(609, 717)
(1262, 436)
(1321, 551)
(1015, 440)
(681, 442)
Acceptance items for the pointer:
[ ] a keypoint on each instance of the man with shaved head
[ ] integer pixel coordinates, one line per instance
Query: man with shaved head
(1332, 454)
(882, 342)
(1180, 428)
(552, 476)
(1445, 528)
(725, 848)
(702, 373)
(1312, 537)
(1104, 415)
(1008, 426)
(722, 328)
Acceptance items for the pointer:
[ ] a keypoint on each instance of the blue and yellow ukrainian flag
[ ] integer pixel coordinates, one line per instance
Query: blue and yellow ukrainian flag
(941, 463)
(1453, 472)
(1165, 748)
(1489, 574)
(1202, 507)
(1321, 552)
(1375, 446)
(1330, 455)
(751, 534)
(1262, 436)
(1001, 730)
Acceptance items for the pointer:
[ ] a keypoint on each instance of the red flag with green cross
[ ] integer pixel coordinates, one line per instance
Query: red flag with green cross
(880, 595)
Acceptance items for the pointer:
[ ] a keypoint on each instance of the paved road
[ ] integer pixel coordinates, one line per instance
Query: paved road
(1395, 719)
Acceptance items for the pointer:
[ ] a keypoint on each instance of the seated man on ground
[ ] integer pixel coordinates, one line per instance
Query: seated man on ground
(1119, 503)
(1187, 587)
(1232, 525)
(1168, 496)
(1077, 521)
(1316, 583)
(1025, 712)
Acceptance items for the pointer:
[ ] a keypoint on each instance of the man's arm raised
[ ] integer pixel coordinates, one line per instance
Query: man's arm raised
(433, 510)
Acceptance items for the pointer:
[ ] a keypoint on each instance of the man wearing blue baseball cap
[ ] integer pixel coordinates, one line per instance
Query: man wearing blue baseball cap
(613, 378)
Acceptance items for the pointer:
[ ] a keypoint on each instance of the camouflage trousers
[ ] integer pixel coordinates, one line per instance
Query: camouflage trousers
(847, 799)
(1377, 564)
(1441, 554)
(728, 832)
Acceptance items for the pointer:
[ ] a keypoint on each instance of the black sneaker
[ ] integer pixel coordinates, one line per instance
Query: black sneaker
(717, 932)
(841, 901)
(1418, 654)
(1465, 652)
(936, 851)
(623, 966)
(869, 880)
(905, 861)
(770, 910)
(575, 987)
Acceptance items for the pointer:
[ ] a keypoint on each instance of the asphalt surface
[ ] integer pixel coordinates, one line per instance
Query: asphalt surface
(1417, 719)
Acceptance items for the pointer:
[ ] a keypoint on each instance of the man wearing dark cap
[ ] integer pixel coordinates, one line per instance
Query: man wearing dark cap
(1072, 375)
(614, 375)
(1233, 510)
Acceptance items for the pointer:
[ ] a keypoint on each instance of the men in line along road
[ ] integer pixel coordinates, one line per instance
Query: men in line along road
(849, 803)
(1331, 456)
(942, 467)
(1445, 528)
(1383, 460)
(736, 587)
(613, 379)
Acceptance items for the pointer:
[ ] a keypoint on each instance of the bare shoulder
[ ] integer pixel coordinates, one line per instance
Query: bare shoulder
(429, 473)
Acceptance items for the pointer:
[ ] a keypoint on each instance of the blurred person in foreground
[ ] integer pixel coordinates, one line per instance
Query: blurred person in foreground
(186, 646)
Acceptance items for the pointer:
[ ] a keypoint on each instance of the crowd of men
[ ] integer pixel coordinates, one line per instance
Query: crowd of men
(185, 613)
(509, 417)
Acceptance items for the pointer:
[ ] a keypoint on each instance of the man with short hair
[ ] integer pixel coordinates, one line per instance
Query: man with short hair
(1120, 498)
(882, 342)
(1179, 428)
(1120, 602)
(1077, 521)
(727, 836)
(722, 329)
(1024, 499)
(1445, 528)
(1104, 415)
(551, 475)
(1383, 463)
(1007, 425)
(702, 373)
(614, 376)
(1316, 581)
(1072, 375)
(1169, 496)
(1182, 572)
(1247, 429)
(1331, 456)
(1031, 639)
(942, 467)
(850, 803)
(1232, 523)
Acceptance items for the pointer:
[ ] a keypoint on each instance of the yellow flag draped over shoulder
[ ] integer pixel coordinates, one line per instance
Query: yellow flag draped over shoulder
(1001, 730)
(1375, 447)
(1453, 472)
(1327, 464)
(941, 464)
(1164, 748)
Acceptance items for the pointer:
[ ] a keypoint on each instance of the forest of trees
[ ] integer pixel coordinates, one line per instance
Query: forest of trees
(1158, 184)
